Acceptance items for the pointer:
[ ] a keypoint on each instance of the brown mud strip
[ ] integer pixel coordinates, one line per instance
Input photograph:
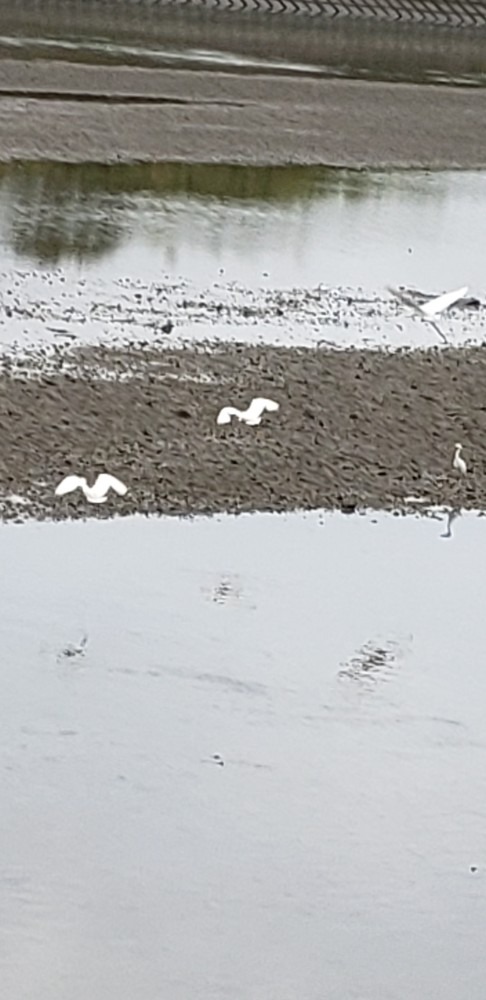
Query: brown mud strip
(355, 429)
(60, 112)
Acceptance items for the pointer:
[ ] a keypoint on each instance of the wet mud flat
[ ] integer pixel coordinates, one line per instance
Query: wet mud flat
(60, 112)
(42, 306)
(355, 429)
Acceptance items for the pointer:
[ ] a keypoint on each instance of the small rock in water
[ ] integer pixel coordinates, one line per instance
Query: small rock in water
(79, 650)
(348, 505)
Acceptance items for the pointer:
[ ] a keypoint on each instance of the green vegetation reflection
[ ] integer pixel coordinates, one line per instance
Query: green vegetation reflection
(52, 211)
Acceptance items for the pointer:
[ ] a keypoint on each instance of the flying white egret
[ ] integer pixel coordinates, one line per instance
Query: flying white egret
(458, 463)
(251, 416)
(433, 307)
(97, 493)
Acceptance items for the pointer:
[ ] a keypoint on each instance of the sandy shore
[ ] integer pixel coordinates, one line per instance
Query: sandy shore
(60, 111)
(355, 428)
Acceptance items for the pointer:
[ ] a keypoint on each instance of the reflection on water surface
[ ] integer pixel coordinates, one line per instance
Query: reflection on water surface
(292, 225)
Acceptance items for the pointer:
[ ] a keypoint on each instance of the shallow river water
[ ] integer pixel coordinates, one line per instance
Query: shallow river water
(286, 227)
(265, 774)
(96, 251)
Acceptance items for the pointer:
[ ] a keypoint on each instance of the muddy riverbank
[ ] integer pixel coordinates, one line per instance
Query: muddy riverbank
(191, 37)
(355, 429)
(60, 112)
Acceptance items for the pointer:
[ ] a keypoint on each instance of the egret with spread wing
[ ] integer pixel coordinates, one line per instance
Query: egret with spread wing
(250, 416)
(433, 307)
(97, 493)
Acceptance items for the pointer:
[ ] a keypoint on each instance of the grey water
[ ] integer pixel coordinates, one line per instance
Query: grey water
(288, 225)
(264, 775)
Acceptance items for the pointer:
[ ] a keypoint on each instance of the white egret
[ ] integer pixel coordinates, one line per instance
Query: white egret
(432, 307)
(458, 463)
(251, 416)
(97, 493)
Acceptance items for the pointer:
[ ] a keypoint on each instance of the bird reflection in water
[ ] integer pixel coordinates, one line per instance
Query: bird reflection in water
(450, 518)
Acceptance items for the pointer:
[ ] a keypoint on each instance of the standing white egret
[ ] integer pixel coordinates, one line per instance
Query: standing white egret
(433, 307)
(458, 463)
(97, 493)
(251, 416)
